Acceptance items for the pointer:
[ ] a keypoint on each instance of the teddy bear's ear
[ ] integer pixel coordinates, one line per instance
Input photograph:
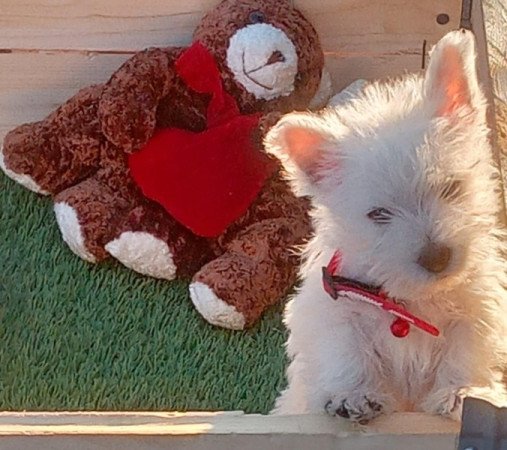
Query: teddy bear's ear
(451, 79)
(306, 146)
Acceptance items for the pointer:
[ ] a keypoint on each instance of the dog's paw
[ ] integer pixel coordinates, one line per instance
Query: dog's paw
(356, 407)
(445, 402)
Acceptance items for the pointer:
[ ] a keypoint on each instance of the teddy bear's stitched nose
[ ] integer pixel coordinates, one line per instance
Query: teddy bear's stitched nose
(434, 257)
(276, 56)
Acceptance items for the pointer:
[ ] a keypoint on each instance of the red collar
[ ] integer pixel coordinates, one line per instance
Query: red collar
(337, 286)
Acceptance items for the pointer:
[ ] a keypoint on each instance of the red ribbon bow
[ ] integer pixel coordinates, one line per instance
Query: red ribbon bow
(204, 180)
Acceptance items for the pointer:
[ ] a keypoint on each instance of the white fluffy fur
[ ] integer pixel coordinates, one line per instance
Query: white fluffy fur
(393, 147)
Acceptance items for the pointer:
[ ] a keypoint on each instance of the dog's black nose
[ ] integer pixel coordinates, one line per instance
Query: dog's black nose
(434, 257)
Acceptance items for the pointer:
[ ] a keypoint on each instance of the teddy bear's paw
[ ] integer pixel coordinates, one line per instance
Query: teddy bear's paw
(143, 253)
(213, 309)
(356, 407)
(71, 230)
(23, 179)
(445, 402)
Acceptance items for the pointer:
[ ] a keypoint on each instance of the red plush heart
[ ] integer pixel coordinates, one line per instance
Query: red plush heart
(202, 179)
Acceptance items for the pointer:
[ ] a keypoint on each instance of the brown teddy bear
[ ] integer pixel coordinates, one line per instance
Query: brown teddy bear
(162, 167)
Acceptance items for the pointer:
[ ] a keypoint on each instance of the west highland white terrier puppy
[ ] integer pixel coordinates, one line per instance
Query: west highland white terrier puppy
(405, 201)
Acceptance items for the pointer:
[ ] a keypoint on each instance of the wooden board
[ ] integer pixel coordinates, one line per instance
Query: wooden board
(495, 19)
(74, 43)
(356, 25)
(224, 431)
(495, 15)
(484, 16)
(28, 95)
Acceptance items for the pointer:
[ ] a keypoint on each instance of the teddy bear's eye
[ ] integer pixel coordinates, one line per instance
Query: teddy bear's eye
(380, 215)
(256, 17)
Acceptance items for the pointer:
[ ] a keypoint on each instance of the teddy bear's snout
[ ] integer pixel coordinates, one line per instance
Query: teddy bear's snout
(276, 56)
(264, 60)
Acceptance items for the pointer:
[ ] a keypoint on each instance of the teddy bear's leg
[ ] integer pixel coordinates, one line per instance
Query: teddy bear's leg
(151, 242)
(48, 156)
(257, 270)
(88, 214)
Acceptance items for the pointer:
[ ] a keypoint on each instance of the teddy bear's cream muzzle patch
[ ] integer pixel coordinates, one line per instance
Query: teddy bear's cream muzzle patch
(264, 60)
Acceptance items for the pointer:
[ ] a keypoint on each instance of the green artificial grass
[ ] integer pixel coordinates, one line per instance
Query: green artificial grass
(76, 336)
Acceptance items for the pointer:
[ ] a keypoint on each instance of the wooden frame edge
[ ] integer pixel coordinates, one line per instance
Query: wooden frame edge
(472, 17)
(219, 430)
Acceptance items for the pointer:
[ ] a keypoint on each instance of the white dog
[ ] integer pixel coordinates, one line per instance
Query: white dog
(404, 192)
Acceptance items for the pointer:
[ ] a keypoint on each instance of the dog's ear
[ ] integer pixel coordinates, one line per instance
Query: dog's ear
(451, 79)
(305, 145)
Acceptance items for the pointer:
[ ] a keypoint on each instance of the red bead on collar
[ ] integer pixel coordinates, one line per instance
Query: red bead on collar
(337, 286)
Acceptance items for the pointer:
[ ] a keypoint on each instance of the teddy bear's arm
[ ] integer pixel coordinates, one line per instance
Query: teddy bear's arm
(269, 120)
(266, 122)
(128, 105)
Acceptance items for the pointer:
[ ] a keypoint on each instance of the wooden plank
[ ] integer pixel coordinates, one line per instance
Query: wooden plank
(483, 69)
(97, 24)
(27, 95)
(362, 39)
(364, 27)
(478, 26)
(150, 430)
(345, 69)
(352, 25)
(495, 15)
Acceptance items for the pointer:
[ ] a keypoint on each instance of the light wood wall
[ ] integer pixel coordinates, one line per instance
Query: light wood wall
(51, 48)
(495, 19)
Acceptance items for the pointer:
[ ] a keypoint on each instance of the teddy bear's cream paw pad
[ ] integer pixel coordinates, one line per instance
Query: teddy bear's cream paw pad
(143, 253)
(69, 225)
(23, 180)
(214, 310)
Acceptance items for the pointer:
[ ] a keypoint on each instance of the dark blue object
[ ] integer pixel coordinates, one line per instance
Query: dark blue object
(483, 426)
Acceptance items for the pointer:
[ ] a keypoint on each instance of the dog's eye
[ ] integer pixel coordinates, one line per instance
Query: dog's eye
(452, 190)
(256, 17)
(380, 215)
